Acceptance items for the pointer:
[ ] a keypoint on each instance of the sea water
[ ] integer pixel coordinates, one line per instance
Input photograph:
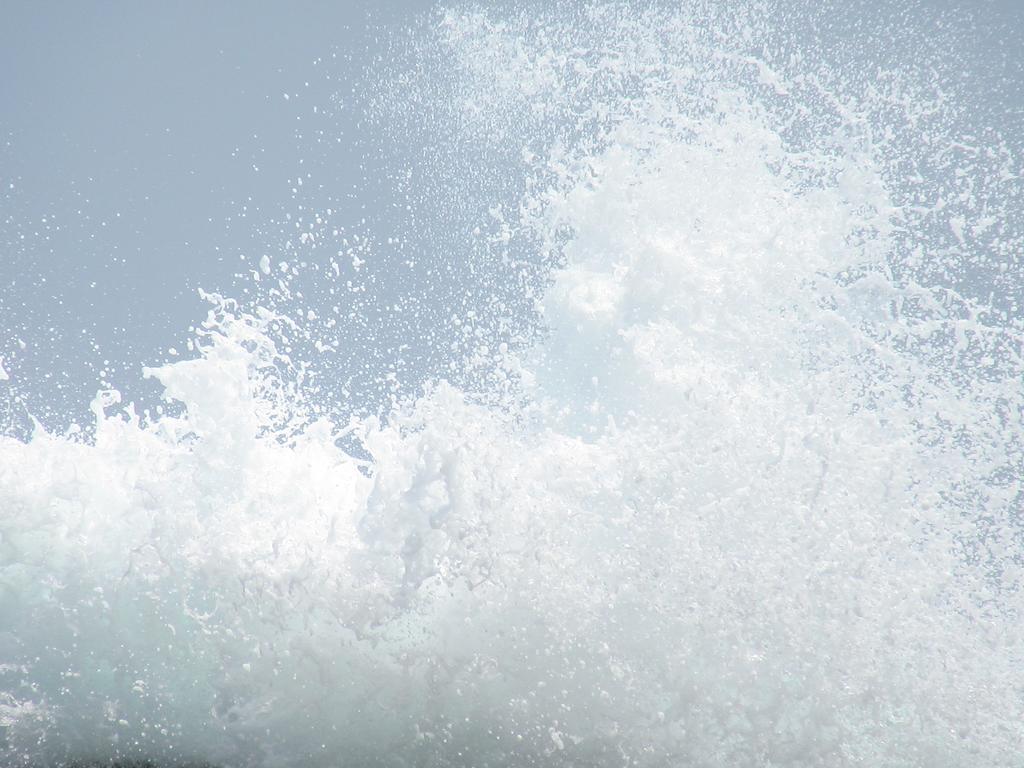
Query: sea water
(737, 482)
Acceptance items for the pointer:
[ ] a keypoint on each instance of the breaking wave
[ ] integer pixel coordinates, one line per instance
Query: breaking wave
(726, 469)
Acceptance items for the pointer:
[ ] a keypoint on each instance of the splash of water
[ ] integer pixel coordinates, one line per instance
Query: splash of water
(752, 497)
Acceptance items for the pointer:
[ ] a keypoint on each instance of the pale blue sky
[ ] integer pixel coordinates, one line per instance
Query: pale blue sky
(130, 138)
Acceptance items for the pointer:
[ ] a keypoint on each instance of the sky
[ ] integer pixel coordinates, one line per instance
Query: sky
(143, 148)
(148, 149)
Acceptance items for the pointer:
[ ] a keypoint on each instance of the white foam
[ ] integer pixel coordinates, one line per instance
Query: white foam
(752, 504)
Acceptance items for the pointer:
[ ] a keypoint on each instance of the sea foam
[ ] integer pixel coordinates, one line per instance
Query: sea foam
(747, 493)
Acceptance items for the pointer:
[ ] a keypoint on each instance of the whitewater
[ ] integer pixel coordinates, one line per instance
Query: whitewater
(726, 469)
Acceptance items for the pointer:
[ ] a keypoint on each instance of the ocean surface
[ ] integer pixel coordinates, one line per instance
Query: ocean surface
(706, 450)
